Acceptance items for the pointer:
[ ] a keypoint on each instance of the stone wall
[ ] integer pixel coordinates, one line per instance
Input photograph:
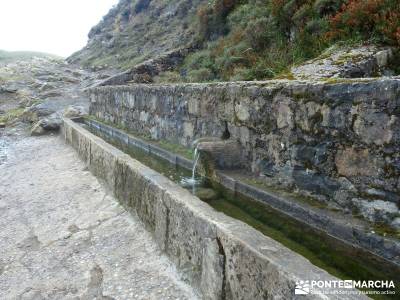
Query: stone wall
(337, 141)
(223, 258)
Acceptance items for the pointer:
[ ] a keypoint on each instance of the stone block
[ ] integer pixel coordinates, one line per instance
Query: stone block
(102, 161)
(221, 154)
(373, 127)
(353, 162)
(377, 210)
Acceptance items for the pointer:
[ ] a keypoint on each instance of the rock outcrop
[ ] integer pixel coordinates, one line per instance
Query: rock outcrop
(347, 62)
(46, 125)
(136, 31)
(34, 88)
(74, 111)
(144, 72)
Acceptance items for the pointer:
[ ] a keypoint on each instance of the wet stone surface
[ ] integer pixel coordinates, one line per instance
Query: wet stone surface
(64, 237)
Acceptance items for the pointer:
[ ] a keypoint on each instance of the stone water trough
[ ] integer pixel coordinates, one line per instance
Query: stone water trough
(221, 257)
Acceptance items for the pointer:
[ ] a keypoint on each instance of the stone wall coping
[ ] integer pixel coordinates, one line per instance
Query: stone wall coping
(266, 83)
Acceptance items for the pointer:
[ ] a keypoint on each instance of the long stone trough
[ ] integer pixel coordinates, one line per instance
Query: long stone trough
(353, 233)
(221, 257)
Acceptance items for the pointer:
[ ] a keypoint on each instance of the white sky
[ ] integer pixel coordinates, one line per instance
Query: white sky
(53, 26)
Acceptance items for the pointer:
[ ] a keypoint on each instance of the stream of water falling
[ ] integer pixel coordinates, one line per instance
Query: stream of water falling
(196, 160)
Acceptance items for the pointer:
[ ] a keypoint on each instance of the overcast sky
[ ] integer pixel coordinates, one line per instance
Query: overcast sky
(53, 26)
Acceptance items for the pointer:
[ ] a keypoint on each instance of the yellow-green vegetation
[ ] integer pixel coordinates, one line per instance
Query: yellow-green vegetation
(285, 75)
(11, 116)
(336, 80)
(176, 148)
(385, 230)
(167, 77)
(259, 183)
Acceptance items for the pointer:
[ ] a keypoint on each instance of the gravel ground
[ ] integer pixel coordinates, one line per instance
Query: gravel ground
(63, 236)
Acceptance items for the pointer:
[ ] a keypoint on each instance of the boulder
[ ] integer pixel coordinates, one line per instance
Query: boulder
(363, 61)
(8, 89)
(36, 112)
(46, 125)
(74, 111)
(37, 130)
(51, 94)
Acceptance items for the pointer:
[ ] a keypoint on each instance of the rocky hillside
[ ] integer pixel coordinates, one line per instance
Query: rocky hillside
(36, 88)
(12, 56)
(233, 39)
(137, 30)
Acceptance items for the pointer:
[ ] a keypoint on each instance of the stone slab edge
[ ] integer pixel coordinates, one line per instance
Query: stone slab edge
(221, 257)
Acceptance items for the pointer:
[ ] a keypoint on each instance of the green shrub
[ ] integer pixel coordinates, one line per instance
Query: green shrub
(200, 59)
(257, 33)
(212, 18)
(200, 75)
(258, 39)
(367, 19)
(167, 77)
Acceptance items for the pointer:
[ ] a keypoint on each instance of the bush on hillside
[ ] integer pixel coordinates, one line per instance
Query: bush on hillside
(366, 19)
(212, 18)
(257, 39)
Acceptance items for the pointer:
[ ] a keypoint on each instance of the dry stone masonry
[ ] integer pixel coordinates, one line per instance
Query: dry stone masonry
(336, 140)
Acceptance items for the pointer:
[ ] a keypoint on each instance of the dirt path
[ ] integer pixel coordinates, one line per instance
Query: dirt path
(64, 237)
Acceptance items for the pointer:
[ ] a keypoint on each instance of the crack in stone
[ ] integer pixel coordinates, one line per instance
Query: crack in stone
(221, 251)
(167, 222)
